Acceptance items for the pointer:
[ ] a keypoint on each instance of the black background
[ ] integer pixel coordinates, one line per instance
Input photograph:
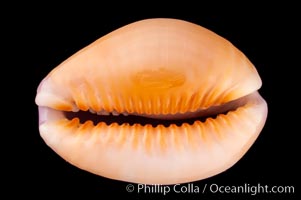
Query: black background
(45, 37)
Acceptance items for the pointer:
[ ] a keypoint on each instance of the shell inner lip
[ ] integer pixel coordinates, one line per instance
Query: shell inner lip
(202, 115)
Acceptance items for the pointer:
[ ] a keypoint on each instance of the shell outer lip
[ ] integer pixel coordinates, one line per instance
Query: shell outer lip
(49, 114)
(244, 141)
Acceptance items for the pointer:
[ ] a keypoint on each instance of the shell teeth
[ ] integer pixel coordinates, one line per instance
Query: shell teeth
(125, 113)
(75, 109)
(92, 111)
(115, 113)
(103, 112)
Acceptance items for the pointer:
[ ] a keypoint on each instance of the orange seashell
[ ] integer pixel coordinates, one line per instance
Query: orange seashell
(196, 93)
